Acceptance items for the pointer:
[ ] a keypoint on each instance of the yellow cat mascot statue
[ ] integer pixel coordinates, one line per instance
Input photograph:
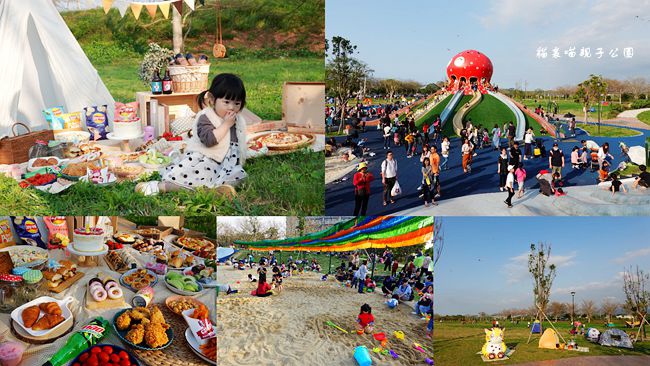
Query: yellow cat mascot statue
(494, 346)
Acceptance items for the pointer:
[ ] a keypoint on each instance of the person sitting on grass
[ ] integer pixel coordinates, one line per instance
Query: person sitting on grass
(370, 284)
(643, 180)
(617, 185)
(216, 151)
(251, 278)
(263, 288)
(365, 320)
(404, 291)
(426, 301)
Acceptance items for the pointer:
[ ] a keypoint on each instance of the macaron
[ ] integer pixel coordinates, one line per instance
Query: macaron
(19, 271)
(32, 276)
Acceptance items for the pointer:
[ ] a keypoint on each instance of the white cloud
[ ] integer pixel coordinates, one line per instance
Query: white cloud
(517, 267)
(629, 256)
(531, 12)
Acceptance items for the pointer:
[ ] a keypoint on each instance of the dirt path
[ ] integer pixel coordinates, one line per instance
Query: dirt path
(594, 361)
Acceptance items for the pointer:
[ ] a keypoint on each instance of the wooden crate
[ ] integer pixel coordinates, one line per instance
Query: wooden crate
(303, 107)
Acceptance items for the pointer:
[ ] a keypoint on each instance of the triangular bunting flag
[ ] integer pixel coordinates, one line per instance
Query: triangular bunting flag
(190, 3)
(179, 6)
(121, 7)
(136, 8)
(164, 8)
(107, 5)
(152, 10)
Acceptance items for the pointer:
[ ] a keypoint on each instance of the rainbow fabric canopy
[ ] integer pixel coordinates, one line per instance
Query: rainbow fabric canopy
(359, 233)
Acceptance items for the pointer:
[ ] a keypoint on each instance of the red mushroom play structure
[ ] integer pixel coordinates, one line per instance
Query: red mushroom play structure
(467, 68)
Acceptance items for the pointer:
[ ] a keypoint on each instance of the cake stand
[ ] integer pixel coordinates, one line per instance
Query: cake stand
(124, 141)
(87, 259)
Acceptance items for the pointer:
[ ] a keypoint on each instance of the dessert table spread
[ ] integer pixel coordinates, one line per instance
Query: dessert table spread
(38, 354)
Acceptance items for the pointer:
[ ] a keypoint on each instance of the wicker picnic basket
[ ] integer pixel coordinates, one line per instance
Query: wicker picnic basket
(189, 79)
(16, 149)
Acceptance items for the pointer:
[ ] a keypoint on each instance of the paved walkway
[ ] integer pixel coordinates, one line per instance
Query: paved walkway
(594, 361)
(629, 119)
(632, 113)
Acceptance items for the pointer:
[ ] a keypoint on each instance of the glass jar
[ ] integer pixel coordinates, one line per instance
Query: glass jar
(39, 150)
(56, 149)
(9, 292)
(32, 286)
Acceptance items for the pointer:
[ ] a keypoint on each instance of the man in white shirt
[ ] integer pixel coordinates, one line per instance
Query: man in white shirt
(388, 176)
(510, 185)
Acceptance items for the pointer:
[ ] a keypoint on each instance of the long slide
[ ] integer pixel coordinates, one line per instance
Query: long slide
(450, 107)
(458, 117)
(520, 122)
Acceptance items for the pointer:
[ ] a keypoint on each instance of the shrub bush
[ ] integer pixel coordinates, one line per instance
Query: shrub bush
(105, 52)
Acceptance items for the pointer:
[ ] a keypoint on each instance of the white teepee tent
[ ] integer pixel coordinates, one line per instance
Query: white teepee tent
(42, 66)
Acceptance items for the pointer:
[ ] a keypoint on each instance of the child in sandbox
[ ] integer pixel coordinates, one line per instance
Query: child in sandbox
(365, 320)
(216, 151)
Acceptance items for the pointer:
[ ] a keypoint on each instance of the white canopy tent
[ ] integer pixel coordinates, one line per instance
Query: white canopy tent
(42, 66)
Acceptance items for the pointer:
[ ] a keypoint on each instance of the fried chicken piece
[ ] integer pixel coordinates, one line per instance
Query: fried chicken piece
(155, 334)
(157, 316)
(140, 313)
(136, 334)
(124, 321)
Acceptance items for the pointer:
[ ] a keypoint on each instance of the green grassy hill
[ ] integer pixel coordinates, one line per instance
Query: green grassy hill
(488, 112)
(259, 28)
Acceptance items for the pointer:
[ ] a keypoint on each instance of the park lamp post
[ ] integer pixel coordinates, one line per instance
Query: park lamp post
(573, 305)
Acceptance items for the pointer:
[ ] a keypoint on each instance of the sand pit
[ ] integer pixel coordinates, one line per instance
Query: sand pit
(289, 328)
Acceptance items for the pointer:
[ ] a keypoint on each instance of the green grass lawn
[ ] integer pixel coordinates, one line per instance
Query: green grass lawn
(322, 258)
(644, 117)
(263, 79)
(457, 344)
(277, 185)
(569, 106)
(607, 131)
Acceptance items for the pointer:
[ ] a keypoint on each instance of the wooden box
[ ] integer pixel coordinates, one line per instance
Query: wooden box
(16, 149)
(303, 107)
(164, 231)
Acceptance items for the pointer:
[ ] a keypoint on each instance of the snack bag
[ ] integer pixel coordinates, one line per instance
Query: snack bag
(200, 324)
(51, 115)
(58, 232)
(126, 112)
(71, 121)
(27, 230)
(97, 175)
(6, 236)
(96, 121)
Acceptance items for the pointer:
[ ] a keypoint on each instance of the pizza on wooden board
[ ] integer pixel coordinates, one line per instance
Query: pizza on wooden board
(285, 140)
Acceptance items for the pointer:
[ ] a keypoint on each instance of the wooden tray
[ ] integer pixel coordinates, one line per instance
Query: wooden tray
(178, 353)
(106, 304)
(20, 333)
(67, 283)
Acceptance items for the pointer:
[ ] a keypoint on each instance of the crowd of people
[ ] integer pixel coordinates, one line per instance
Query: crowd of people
(433, 150)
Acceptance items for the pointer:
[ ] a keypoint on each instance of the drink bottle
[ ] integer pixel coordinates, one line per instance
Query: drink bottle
(81, 340)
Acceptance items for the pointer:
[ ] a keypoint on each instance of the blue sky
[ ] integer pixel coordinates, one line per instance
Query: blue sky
(484, 265)
(415, 39)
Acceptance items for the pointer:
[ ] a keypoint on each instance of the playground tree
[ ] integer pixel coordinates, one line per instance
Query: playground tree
(588, 307)
(592, 90)
(608, 308)
(344, 74)
(637, 294)
(543, 273)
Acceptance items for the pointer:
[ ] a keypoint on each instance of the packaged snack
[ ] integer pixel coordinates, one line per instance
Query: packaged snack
(58, 231)
(71, 121)
(96, 121)
(126, 112)
(6, 236)
(51, 115)
(27, 230)
(200, 324)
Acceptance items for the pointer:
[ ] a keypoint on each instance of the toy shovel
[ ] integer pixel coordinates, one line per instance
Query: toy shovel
(336, 326)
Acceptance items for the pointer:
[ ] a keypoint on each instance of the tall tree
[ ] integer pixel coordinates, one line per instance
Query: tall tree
(592, 90)
(252, 227)
(543, 273)
(608, 308)
(637, 295)
(588, 307)
(343, 73)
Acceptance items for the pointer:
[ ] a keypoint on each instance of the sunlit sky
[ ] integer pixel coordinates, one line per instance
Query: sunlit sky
(484, 265)
(415, 39)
